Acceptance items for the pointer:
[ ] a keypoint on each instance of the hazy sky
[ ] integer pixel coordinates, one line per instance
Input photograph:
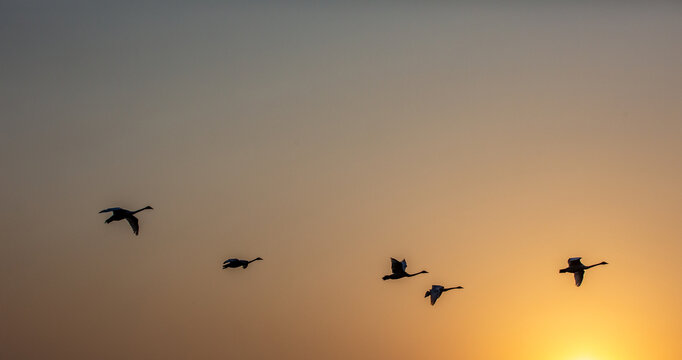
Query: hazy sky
(484, 143)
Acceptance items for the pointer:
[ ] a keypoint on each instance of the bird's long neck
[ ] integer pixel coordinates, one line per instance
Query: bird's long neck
(144, 208)
(254, 260)
(415, 274)
(591, 266)
(453, 288)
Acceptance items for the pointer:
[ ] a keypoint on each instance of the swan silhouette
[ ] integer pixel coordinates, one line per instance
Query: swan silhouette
(578, 269)
(235, 263)
(398, 269)
(120, 214)
(437, 290)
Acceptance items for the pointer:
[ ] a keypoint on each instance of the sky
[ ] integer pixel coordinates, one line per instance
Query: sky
(484, 142)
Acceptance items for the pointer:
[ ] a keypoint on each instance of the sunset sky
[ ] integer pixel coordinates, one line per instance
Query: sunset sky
(485, 142)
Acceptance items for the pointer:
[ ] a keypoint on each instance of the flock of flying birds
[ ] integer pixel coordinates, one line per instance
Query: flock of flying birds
(398, 268)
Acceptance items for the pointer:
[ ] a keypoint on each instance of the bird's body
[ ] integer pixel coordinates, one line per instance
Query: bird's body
(398, 270)
(578, 269)
(120, 214)
(437, 290)
(235, 263)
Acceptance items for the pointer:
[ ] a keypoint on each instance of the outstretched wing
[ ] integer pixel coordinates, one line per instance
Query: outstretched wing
(396, 266)
(578, 277)
(404, 264)
(110, 209)
(575, 261)
(133, 224)
(436, 291)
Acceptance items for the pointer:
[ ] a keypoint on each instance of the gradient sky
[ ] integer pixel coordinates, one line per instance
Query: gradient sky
(485, 143)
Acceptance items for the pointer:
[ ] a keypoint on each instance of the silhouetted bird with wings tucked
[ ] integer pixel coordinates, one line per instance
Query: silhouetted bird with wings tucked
(235, 263)
(120, 214)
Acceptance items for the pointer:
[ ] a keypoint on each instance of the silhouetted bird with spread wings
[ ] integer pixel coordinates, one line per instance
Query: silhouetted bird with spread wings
(437, 290)
(120, 214)
(398, 269)
(578, 269)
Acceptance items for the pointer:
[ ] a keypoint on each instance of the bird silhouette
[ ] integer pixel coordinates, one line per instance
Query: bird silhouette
(120, 214)
(235, 263)
(437, 290)
(398, 269)
(578, 269)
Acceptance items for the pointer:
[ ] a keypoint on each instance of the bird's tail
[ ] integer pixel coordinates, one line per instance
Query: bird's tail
(428, 293)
